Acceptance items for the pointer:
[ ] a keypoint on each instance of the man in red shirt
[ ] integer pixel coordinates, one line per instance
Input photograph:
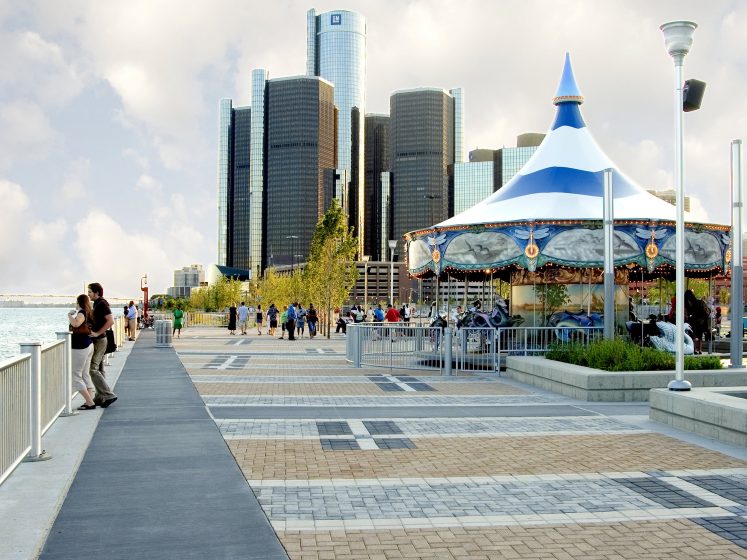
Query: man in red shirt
(392, 315)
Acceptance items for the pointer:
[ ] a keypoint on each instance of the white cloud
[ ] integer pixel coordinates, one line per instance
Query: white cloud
(74, 187)
(12, 219)
(27, 134)
(149, 184)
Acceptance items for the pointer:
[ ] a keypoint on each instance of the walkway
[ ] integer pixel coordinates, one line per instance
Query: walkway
(373, 464)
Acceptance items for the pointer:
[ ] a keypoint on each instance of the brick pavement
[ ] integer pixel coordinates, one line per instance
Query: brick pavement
(336, 485)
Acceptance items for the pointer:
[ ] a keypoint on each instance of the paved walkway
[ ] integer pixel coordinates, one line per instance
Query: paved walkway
(253, 447)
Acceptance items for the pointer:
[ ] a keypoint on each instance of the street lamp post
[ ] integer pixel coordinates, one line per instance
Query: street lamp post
(365, 259)
(392, 247)
(678, 38)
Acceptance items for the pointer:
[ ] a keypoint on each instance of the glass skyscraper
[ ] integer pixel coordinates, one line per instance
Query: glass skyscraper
(378, 160)
(225, 194)
(336, 51)
(256, 170)
(473, 182)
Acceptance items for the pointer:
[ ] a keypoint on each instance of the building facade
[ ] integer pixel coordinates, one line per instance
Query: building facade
(336, 51)
(473, 182)
(422, 144)
(185, 279)
(377, 161)
(256, 171)
(300, 151)
(508, 161)
(225, 183)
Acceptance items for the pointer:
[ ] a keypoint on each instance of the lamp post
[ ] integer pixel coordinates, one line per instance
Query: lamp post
(678, 38)
(293, 249)
(392, 247)
(144, 289)
(365, 259)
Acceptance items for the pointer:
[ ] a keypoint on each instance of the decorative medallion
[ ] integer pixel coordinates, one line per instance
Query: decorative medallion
(652, 250)
(728, 255)
(531, 250)
(436, 255)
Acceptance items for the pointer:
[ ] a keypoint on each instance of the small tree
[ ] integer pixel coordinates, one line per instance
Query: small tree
(552, 297)
(331, 272)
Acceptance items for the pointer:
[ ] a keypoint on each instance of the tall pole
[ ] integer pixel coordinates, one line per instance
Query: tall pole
(737, 280)
(365, 259)
(392, 246)
(678, 40)
(609, 258)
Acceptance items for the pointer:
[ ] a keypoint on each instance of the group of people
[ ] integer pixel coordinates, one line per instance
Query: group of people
(293, 319)
(375, 315)
(89, 323)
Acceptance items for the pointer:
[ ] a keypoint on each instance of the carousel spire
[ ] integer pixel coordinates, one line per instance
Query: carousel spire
(568, 91)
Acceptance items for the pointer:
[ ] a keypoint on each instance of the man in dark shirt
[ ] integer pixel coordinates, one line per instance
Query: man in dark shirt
(102, 321)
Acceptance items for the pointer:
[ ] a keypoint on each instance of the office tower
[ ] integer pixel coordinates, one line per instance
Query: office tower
(508, 161)
(377, 161)
(301, 147)
(458, 95)
(669, 195)
(185, 279)
(422, 139)
(225, 184)
(256, 171)
(336, 51)
(473, 181)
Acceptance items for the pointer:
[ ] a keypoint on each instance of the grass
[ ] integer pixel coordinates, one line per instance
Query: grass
(622, 355)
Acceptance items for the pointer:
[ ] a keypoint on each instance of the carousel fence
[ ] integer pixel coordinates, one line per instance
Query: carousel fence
(473, 350)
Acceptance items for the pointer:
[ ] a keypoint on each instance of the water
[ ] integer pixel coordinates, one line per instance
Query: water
(30, 324)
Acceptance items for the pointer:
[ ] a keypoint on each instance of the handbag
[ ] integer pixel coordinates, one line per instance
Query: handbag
(111, 346)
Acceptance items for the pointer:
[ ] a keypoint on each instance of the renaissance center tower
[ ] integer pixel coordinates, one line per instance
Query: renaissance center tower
(336, 51)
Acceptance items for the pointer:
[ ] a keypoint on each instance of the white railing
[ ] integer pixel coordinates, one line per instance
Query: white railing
(35, 390)
(396, 346)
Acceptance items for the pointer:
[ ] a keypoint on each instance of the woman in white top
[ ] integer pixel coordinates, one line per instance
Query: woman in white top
(81, 320)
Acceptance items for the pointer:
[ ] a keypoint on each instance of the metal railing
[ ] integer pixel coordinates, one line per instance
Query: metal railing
(396, 346)
(195, 318)
(35, 390)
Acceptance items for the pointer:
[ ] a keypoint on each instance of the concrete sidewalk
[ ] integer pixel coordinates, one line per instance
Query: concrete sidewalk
(158, 480)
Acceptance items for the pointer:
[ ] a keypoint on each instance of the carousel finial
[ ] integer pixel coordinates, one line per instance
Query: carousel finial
(568, 91)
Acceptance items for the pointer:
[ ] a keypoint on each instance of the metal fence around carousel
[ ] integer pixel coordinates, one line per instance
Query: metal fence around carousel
(468, 350)
(36, 389)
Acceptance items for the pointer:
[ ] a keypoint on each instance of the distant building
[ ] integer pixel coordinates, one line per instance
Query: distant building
(378, 160)
(423, 123)
(473, 182)
(670, 196)
(185, 279)
(508, 161)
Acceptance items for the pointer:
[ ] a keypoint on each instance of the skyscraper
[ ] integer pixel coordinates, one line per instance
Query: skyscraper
(378, 160)
(256, 170)
(423, 144)
(508, 161)
(225, 183)
(336, 51)
(301, 146)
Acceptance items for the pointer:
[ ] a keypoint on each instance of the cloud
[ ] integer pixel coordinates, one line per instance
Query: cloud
(12, 219)
(27, 134)
(74, 187)
(148, 184)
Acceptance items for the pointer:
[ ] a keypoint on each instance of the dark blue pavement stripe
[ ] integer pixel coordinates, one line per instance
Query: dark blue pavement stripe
(327, 412)
(158, 480)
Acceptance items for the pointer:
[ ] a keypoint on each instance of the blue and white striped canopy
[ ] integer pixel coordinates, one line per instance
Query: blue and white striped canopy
(564, 179)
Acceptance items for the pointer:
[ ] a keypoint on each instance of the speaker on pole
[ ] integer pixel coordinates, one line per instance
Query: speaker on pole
(692, 95)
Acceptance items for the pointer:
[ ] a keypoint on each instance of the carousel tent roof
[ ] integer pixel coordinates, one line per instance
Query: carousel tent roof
(564, 179)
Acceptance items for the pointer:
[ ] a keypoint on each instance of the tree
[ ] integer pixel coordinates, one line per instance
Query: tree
(552, 297)
(218, 296)
(331, 272)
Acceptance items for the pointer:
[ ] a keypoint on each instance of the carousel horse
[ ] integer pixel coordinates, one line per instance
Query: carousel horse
(498, 318)
(567, 324)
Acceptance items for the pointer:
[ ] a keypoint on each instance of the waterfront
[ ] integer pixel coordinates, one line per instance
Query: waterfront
(29, 324)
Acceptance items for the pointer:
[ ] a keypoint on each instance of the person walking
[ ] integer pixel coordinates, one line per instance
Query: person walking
(283, 321)
(272, 317)
(291, 321)
(232, 319)
(178, 319)
(259, 318)
(132, 319)
(81, 320)
(125, 311)
(243, 313)
(696, 315)
(301, 320)
(102, 321)
(312, 318)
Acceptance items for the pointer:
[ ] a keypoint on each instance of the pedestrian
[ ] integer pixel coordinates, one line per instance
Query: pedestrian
(283, 321)
(357, 314)
(392, 315)
(378, 314)
(312, 318)
(178, 319)
(125, 311)
(132, 319)
(272, 317)
(81, 320)
(406, 313)
(232, 319)
(291, 321)
(259, 318)
(102, 321)
(243, 313)
(696, 315)
(301, 320)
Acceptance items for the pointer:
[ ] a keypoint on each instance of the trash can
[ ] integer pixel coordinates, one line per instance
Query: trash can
(164, 330)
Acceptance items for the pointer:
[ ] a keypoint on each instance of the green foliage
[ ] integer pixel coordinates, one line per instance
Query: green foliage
(552, 297)
(622, 355)
(224, 293)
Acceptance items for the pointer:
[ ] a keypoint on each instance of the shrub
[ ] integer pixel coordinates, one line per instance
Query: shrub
(622, 355)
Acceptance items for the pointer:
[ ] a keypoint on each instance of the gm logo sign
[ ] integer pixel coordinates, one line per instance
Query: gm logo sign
(336, 19)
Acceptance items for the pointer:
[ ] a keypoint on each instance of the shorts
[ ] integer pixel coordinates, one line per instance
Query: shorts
(273, 323)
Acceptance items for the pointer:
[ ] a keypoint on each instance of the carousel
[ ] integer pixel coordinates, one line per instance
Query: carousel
(543, 231)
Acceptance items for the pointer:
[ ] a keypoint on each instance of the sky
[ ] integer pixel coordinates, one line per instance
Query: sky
(109, 109)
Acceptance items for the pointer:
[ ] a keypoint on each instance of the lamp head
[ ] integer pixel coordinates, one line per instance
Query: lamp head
(678, 37)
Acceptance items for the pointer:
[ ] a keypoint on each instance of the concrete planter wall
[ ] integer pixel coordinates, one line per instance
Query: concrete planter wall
(589, 384)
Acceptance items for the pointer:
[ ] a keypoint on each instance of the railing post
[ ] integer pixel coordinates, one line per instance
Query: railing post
(448, 340)
(36, 453)
(68, 388)
(356, 341)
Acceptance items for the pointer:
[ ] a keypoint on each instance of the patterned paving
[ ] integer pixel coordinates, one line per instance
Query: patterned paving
(536, 483)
